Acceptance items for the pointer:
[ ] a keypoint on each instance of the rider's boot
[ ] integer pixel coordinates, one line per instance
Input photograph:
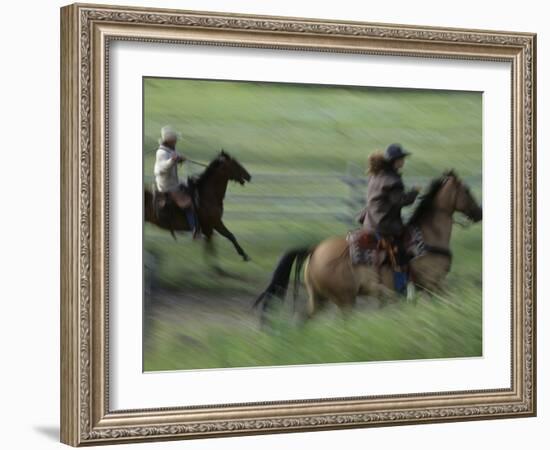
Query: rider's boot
(400, 281)
(193, 222)
(197, 233)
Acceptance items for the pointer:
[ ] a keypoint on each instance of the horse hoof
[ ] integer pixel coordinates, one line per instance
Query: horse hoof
(246, 258)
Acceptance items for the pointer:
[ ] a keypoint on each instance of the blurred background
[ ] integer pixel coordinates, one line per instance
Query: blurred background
(306, 147)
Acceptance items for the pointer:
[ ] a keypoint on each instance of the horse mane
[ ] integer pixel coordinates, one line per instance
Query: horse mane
(427, 199)
(212, 167)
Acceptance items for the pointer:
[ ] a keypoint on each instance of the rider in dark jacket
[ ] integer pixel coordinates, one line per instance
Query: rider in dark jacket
(386, 195)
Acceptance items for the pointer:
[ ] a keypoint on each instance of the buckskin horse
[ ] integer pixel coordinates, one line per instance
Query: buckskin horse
(330, 276)
(211, 186)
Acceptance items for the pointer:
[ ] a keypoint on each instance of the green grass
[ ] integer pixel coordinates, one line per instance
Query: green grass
(436, 328)
(281, 130)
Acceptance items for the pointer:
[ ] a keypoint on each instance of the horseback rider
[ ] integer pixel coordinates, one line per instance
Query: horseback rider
(386, 195)
(166, 177)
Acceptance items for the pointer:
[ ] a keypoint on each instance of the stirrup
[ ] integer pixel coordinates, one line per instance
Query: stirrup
(197, 234)
(411, 291)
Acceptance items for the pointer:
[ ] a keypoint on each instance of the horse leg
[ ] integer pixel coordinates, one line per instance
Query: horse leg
(342, 292)
(315, 302)
(346, 303)
(429, 272)
(210, 251)
(211, 255)
(222, 229)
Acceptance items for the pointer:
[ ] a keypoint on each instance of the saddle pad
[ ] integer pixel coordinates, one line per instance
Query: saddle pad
(363, 248)
(414, 242)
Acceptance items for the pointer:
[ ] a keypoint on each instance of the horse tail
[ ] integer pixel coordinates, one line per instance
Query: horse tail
(148, 205)
(280, 279)
(300, 259)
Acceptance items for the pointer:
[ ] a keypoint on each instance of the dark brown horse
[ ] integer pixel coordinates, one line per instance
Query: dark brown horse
(211, 186)
(331, 277)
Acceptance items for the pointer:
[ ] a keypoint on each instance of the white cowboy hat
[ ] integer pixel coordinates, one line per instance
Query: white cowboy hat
(168, 132)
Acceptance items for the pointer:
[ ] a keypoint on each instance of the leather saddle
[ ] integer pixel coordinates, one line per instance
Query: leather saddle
(163, 202)
(366, 248)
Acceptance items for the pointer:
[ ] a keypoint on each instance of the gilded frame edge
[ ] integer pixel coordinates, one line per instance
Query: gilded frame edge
(85, 31)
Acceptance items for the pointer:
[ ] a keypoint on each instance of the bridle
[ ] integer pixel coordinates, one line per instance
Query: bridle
(434, 249)
(469, 222)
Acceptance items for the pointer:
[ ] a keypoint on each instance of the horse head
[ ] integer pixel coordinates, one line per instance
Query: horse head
(234, 170)
(459, 197)
(447, 193)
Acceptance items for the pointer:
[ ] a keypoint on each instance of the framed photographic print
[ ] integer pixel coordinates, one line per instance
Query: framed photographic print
(275, 224)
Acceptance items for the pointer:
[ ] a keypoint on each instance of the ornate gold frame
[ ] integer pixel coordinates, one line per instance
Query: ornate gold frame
(86, 31)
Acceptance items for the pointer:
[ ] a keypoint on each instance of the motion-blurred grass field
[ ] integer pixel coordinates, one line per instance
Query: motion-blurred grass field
(298, 142)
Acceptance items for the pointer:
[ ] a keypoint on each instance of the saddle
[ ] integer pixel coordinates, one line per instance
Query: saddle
(163, 204)
(166, 209)
(367, 248)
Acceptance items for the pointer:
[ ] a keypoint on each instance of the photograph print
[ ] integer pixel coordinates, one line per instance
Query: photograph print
(294, 224)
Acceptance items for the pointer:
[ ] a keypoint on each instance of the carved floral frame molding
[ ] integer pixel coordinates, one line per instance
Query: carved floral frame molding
(86, 32)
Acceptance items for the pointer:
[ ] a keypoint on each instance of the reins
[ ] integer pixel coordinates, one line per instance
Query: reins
(436, 250)
(192, 161)
(198, 163)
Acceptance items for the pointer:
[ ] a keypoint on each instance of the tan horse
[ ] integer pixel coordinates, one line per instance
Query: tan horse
(331, 277)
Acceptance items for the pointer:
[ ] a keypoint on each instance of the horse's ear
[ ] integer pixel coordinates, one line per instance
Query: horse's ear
(450, 173)
(225, 155)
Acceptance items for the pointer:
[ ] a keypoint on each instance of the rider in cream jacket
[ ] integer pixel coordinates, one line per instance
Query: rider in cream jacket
(166, 176)
(166, 169)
